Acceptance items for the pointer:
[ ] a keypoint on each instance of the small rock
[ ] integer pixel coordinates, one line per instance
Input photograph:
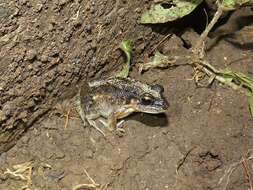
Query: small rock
(88, 28)
(76, 61)
(38, 7)
(63, 2)
(3, 158)
(44, 58)
(172, 45)
(7, 110)
(138, 10)
(23, 114)
(2, 115)
(190, 37)
(58, 154)
(89, 154)
(3, 12)
(25, 139)
(31, 54)
(23, 2)
(54, 52)
(55, 175)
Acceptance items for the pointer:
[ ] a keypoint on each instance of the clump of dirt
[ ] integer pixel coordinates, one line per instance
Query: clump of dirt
(204, 132)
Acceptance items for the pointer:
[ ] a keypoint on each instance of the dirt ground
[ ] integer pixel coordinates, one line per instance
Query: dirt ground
(202, 137)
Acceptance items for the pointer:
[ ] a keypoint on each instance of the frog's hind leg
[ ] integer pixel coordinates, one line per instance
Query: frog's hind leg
(80, 110)
(86, 119)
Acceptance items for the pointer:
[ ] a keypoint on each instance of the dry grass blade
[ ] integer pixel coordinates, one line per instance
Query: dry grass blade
(248, 173)
(67, 120)
(231, 169)
(21, 172)
(92, 186)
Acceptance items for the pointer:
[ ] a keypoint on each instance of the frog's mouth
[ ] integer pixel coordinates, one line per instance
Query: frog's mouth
(155, 108)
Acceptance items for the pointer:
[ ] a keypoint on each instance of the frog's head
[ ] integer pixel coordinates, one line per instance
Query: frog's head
(134, 96)
(150, 99)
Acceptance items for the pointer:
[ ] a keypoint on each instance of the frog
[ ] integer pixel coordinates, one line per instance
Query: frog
(106, 101)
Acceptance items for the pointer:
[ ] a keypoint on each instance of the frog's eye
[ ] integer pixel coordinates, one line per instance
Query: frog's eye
(147, 99)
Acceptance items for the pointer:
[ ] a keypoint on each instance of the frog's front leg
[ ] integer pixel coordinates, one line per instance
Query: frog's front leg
(106, 123)
(111, 122)
(91, 120)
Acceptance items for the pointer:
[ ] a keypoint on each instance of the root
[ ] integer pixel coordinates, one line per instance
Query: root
(92, 186)
(232, 168)
(21, 172)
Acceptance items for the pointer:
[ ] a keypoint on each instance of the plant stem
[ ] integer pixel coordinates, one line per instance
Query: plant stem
(204, 34)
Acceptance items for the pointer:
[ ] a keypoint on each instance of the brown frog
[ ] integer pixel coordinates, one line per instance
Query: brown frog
(108, 100)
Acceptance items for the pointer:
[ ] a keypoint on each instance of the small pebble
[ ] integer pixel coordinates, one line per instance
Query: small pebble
(3, 158)
(31, 54)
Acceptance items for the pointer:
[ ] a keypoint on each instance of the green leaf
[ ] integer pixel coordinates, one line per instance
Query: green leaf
(159, 13)
(251, 104)
(234, 4)
(126, 47)
(242, 78)
(159, 60)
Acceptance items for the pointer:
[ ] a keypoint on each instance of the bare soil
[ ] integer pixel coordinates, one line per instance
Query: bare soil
(204, 132)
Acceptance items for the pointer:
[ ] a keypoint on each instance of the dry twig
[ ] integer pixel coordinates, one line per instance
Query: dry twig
(22, 172)
(230, 171)
(67, 119)
(204, 34)
(181, 161)
(248, 173)
(92, 186)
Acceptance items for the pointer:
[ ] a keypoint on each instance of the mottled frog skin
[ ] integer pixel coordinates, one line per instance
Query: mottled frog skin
(108, 100)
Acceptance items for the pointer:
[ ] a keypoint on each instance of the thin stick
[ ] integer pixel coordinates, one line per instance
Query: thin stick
(159, 43)
(92, 186)
(230, 171)
(87, 174)
(204, 34)
(249, 179)
(181, 162)
(67, 119)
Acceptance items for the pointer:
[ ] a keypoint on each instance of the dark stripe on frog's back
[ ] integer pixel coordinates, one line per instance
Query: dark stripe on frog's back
(122, 92)
(127, 85)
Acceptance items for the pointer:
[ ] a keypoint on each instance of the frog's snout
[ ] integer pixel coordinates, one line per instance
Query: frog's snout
(161, 104)
(165, 104)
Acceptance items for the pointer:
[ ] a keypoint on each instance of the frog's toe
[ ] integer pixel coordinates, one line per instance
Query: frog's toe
(120, 124)
(120, 130)
(110, 125)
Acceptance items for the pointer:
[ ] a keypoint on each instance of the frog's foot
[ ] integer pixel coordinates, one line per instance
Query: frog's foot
(118, 127)
(106, 124)
(120, 130)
